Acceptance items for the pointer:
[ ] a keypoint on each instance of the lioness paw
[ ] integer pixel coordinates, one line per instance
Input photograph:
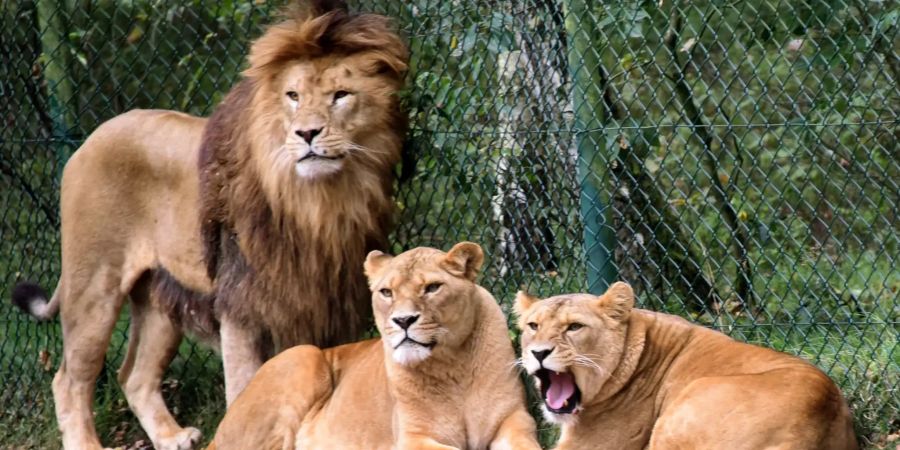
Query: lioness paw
(183, 440)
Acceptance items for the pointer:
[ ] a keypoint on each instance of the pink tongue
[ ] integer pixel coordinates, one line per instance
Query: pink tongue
(562, 386)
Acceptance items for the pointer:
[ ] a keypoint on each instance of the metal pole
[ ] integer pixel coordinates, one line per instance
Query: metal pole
(590, 140)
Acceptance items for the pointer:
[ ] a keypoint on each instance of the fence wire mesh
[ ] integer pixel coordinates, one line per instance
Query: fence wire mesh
(736, 161)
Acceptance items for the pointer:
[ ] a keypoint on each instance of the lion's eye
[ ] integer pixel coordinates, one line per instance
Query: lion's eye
(293, 95)
(432, 288)
(574, 327)
(386, 292)
(533, 326)
(339, 95)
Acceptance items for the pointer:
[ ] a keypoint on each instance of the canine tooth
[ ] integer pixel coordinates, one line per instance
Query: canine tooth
(566, 404)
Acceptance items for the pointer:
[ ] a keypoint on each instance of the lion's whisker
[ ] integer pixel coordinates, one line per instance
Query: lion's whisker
(517, 365)
(366, 152)
(367, 149)
(585, 362)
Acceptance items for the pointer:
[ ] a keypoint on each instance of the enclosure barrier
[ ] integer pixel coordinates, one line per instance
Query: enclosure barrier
(736, 161)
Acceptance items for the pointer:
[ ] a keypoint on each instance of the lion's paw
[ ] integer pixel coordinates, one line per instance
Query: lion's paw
(183, 440)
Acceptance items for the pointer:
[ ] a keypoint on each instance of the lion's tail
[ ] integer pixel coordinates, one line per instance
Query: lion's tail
(32, 299)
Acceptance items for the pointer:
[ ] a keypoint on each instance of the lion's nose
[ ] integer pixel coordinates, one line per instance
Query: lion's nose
(405, 321)
(308, 135)
(541, 354)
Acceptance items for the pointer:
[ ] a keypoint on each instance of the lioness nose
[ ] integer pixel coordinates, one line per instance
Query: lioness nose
(308, 135)
(541, 354)
(405, 321)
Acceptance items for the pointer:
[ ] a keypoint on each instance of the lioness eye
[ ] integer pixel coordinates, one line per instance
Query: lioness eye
(339, 95)
(386, 292)
(574, 327)
(293, 95)
(432, 288)
(533, 326)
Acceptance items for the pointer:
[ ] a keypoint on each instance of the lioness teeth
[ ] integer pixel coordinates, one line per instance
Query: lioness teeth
(566, 404)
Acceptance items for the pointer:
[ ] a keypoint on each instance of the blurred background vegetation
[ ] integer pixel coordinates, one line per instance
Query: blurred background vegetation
(736, 161)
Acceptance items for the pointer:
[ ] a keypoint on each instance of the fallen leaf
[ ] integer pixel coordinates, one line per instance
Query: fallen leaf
(44, 358)
(135, 35)
(794, 45)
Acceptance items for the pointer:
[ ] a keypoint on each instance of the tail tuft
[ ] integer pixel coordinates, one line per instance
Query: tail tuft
(32, 299)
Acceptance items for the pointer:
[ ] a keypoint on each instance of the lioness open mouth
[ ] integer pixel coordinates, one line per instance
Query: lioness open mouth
(559, 391)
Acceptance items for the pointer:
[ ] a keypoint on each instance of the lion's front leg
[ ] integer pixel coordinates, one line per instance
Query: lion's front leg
(153, 343)
(270, 412)
(410, 441)
(242, 355)
(517, 431)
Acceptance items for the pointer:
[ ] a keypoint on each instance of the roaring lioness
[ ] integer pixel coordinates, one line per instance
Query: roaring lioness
(247, 228)
(622, 378)
(440, 377)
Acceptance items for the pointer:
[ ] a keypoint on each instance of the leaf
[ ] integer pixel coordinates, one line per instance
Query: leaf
(82, 58)
(46, 362)
(135, 35)
(76, 36)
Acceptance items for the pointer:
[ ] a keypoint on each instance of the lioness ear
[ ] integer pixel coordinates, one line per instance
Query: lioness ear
(618, 301)
(375, 261)
(464, 260)
(524, 301)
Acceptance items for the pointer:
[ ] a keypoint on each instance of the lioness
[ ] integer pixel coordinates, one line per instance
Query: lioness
(439, 378)
(248, 228)
(622, 378)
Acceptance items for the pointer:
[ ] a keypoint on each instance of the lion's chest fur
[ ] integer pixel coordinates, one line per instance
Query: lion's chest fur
(626, 428)
(280, 271)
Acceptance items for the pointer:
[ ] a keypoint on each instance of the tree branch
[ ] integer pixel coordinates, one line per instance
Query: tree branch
(699, 127)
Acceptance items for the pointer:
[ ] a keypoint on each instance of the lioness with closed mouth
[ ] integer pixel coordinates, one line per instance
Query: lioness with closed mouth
(440, 377)
(622, 378)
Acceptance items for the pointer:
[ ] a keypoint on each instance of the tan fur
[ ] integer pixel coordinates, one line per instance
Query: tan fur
(463, 394)
(216, 222)
(652, 380)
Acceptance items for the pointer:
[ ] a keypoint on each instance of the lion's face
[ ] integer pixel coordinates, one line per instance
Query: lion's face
(326, 107)
(571, 344)
(421, 299)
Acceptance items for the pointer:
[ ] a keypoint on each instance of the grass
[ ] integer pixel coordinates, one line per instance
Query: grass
(862, 359)
(193, 388)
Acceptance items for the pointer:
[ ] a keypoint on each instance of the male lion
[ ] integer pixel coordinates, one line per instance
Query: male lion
(249, 227)
(623, 378)
(440, 377)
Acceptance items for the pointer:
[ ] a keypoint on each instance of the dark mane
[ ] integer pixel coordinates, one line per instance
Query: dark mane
(274, 264)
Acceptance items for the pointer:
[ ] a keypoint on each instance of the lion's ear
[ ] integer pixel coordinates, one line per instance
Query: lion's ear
(618, 301)
(524, 300)
(375, 261)
(464, 260)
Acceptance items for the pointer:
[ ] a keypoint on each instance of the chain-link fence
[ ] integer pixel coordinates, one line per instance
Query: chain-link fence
(736, 161)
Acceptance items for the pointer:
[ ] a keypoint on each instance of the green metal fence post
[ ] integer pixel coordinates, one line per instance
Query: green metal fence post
(60, 91)
(587, 101)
